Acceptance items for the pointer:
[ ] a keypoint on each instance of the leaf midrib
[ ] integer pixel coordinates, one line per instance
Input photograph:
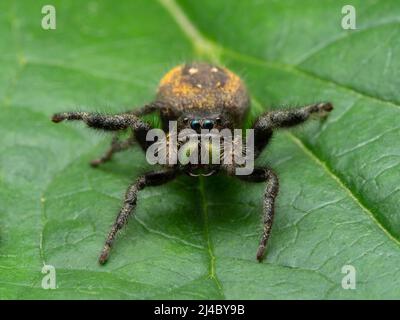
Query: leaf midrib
(212, 50)
(215, 49)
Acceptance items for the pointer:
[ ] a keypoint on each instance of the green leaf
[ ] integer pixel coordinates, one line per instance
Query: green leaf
(339, 195)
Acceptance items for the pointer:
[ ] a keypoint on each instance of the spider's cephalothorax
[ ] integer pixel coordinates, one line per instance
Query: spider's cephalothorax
(197, 96)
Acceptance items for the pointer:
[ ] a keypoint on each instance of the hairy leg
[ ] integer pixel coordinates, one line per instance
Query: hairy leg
(116, 146)
(103, 121)
(268, 122)
(148, 179)
(270, 193)
(109, 123)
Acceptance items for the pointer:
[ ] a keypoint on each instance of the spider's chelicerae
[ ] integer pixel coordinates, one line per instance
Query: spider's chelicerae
(197, 96)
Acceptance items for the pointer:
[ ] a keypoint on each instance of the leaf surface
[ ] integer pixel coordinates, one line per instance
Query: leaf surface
(197, 238)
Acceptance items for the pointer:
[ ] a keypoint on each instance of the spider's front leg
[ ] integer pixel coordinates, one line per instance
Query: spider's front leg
(269, 121)
(116, 145)
(270, 193)
(148, 179)
(109, 123)
(103, 121)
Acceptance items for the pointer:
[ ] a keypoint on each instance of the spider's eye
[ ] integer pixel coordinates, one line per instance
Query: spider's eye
(185, 120)
(208, 124)
(195, 124)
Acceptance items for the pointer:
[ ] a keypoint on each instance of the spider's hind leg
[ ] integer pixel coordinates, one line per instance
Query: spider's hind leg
(271, 191)
(116, 146)
(153, 178)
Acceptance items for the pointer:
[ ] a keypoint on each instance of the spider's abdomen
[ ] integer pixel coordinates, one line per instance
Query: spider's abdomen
(203, 86)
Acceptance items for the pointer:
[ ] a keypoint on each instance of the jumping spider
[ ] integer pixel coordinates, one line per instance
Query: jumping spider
(196, 95)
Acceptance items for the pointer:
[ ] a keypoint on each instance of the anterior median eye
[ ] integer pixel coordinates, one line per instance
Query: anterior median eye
(195, 124)
(208, 124)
